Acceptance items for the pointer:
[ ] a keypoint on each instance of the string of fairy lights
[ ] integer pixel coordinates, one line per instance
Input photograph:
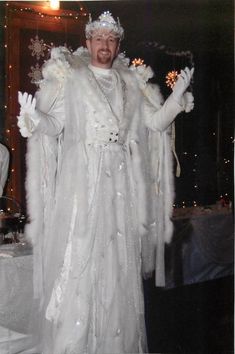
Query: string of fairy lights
(43, 14)
(7, 136)
(170, 77)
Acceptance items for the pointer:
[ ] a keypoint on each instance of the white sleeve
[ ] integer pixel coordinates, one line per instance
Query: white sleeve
(50, 109)
(4, 166)
(160, 119)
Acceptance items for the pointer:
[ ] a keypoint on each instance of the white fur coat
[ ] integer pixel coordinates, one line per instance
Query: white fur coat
(151, 153)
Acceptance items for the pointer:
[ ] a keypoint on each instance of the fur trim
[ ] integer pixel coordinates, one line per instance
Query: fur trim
(34, 229)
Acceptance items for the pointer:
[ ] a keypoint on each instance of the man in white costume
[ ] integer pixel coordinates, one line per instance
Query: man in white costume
(95, 184)
(4, 167)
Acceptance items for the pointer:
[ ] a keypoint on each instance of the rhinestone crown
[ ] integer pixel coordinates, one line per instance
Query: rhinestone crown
(105, 21)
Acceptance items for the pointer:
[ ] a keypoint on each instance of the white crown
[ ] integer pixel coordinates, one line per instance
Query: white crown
(105, 21)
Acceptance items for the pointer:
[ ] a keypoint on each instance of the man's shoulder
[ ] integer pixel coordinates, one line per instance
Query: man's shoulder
(128, 77)
(121, 65)
(78, 74)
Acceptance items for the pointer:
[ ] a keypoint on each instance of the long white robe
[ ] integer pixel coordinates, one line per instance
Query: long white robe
(93, 198)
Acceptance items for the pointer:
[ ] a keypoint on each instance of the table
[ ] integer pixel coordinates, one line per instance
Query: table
(16, 297)
(201, 248)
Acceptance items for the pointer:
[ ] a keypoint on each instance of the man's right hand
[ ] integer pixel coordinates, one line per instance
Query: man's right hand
(27, 102)
(27, 119)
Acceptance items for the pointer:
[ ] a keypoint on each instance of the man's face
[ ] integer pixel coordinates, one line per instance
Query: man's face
(103, 47)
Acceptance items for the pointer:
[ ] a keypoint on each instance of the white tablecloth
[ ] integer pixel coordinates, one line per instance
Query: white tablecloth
(16, 298)
(201, 249)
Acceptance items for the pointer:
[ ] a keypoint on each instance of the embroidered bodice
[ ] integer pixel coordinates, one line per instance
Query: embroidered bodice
(103, 128)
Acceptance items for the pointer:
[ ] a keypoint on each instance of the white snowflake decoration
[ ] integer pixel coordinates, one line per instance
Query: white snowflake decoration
(35, 74)
(38, 47)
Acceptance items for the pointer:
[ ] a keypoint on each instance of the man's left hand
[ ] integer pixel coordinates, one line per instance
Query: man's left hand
(182, 84)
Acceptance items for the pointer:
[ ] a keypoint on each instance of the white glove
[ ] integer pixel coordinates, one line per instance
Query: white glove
(182, 84)
(28, 119)
(188, 101)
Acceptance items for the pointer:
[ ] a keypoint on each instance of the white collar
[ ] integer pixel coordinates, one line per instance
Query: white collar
(100, 71)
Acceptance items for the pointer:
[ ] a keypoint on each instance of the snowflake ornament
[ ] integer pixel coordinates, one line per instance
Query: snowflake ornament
(35, 74)
(38, 47)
